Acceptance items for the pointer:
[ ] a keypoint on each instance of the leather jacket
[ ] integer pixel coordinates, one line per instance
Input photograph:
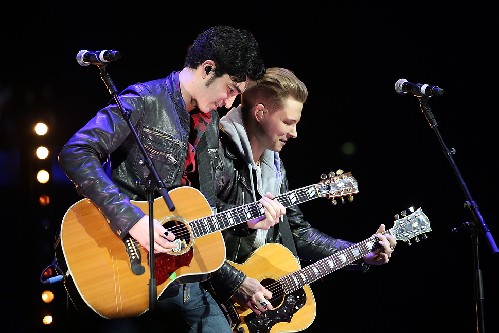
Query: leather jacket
(233, 185)
(157, 111)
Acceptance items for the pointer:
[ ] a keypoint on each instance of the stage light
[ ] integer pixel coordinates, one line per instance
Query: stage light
(47, 320)
(43, 176)
(47, 296)
(41, 128)
(44, 200)
(42, 152)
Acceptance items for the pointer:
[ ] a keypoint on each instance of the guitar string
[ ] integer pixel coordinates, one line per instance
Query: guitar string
(197, 226)
(294, 281)
(228, 218)
(303, 195)
(319, 269)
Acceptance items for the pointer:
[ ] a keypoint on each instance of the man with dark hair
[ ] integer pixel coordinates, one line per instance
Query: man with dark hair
(172, 117)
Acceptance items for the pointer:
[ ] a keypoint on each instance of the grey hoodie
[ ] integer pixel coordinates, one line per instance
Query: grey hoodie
(268, 174)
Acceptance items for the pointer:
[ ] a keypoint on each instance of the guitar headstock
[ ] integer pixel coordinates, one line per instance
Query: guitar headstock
(338, 184)
(411, 224)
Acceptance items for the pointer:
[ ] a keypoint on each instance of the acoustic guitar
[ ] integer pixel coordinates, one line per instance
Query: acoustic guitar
(111, 276)
(279, 271)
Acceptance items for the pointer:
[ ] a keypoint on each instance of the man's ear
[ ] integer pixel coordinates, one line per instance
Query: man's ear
(208, 66)
(259, 111)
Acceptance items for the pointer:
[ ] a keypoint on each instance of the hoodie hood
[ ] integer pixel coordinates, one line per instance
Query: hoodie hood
(269, 179)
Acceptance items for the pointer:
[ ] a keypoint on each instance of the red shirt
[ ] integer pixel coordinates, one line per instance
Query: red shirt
(199, 123)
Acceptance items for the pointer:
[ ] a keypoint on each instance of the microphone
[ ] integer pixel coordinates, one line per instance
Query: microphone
(85, 57)
(403, 86)
(53, 279)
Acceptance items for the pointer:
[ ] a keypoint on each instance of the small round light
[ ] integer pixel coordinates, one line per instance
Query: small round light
(43, 176)
(42, 152)
(41, 128)
(47, 296)
(47, 320)
(44, 200)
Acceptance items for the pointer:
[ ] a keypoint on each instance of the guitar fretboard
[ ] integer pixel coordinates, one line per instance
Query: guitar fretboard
(247, 212)
(410, 226)
(321, 268)
(338, 186)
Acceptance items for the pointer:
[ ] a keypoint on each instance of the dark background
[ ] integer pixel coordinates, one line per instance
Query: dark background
(350, 56)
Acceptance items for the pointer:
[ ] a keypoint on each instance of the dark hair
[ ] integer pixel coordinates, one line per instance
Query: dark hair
(234, 51)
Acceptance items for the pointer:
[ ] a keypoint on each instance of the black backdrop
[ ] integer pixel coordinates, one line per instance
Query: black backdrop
(349, 56)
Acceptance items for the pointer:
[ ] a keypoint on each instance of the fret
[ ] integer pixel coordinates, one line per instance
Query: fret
(195, 228)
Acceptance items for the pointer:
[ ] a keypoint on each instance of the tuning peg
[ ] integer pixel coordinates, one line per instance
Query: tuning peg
(323, 176)
(397, 216)
(350, 198)
(332, 174)
(424, 236)
(342, 200)
(408, 242)
(403, 213)
(339, 172)
(334, 201)
(416, 239)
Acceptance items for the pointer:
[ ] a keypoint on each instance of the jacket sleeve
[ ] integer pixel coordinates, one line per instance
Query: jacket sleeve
(312, 244)
(81, 159)
(225, 281)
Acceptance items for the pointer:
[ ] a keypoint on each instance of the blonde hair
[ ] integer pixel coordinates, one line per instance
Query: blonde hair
(276, 85)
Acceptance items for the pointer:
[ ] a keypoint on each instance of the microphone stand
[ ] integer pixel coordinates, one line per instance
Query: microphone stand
(477, 223)
(106, 78)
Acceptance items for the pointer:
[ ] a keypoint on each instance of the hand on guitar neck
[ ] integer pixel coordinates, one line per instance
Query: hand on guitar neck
(273, 210)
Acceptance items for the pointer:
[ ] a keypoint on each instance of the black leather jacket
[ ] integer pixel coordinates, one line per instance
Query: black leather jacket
(234, 189)
(157, 111)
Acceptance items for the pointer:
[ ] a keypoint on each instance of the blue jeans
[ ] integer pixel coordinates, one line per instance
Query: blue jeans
(181, 308)
(187, 308)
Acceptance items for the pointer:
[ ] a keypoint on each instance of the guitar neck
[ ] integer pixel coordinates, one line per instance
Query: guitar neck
(409, 226)
(248, 212)
(323, 267)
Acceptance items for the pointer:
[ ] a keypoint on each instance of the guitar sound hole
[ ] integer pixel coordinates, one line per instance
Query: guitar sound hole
(167, 264)
(183, 235)
(277, 291)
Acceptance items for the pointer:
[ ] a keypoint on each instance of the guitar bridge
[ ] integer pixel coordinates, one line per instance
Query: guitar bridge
(132, 249)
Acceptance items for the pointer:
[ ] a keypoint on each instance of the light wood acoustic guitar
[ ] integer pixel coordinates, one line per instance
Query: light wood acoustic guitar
(111, 276)
(279, 271)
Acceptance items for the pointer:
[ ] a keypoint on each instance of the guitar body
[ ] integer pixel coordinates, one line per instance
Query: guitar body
(114, 282)
(293, 312)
